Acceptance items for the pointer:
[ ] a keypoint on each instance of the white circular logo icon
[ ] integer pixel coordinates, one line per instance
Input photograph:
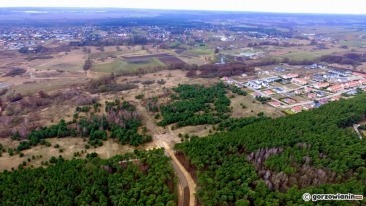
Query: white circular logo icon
(306, 197)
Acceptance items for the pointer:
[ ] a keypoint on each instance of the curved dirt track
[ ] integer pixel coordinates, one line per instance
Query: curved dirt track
(184, 177)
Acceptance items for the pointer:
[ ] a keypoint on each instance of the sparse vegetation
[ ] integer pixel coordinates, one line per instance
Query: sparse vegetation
(16, 71)
(140, 96)
(87, 64)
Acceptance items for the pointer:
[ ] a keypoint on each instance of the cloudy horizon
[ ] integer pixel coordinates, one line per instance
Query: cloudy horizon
(286, 6)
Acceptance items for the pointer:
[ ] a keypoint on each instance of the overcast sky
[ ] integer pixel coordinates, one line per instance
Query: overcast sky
(293, 6)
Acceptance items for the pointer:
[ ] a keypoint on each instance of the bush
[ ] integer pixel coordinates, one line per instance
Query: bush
(91, 155)
(16, 71)
(15, 97)
(11, 152)
(157, 116)
(42, 142)
(53, 160)
(140, 96)
(147, 82)
(162, 81)
(3, 91)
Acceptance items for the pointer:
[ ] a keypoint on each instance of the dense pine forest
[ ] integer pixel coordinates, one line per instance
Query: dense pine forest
(196, 105)
(275, 161)
(140, 178)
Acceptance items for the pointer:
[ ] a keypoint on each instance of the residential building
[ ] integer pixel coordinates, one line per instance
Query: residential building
(254, 85)
(289, 100)
(278, 90)
(296, 109)
(353, 84)
(318, 78)
(335, 98)
(268, 92)
(274, 103)
(321, 85)
(308, 89)
(307, 106)
(312, 96)
(279, 69)
(290, 76)
(272, 79)
(343, 73)
(362, 81)
(335, 88)
(320, 94)
(300, 81)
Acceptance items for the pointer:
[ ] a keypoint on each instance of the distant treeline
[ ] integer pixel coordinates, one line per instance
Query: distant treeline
(43, 50)
(95, 40)
(353, 59)
(258, 31)
(221, 70)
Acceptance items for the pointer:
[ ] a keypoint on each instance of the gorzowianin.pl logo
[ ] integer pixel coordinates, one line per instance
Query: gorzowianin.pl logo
(316, 197)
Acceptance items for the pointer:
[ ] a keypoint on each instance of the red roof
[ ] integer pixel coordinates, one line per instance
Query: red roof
(296, 109)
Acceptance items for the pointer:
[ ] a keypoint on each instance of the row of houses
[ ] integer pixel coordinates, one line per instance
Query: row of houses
(232, 82)
(315, 104)
(321, 85)
(260, 83)
(289, 76)
(343, 73)
(352, 84)
(300, 81)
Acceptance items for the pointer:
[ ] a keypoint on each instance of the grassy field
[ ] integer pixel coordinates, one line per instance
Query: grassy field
(198, 51)
(69, 146)
(240, 52)
(193, 60)
(251, 109)
(72, 62)
(120, 66)
(309, 55)
(199, 130)
(357, 44)
(46, 85)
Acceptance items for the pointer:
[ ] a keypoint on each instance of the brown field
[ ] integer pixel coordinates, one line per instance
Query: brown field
(171, 60)
(193, 60)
